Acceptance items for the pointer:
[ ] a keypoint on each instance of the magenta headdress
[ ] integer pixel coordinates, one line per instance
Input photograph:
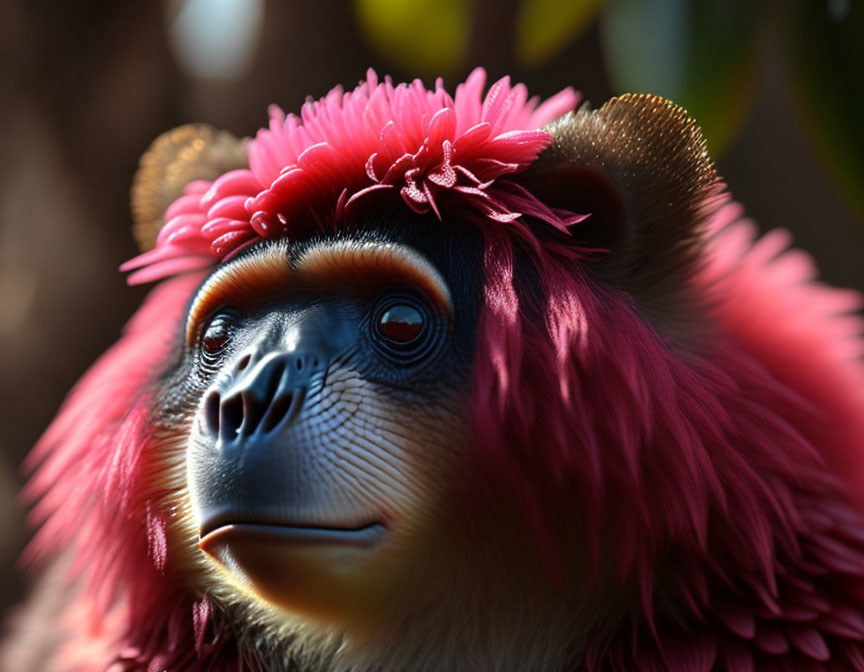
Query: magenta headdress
(423, 145)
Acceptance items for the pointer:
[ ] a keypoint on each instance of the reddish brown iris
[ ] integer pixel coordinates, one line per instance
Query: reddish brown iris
(401, 323)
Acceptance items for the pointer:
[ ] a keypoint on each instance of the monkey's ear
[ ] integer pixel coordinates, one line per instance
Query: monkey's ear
(176, 158)
(640, 167)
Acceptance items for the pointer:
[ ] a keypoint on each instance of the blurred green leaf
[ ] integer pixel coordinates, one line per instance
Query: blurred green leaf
(699, 54)
(545, 27)
(429, 37)
(825, 42)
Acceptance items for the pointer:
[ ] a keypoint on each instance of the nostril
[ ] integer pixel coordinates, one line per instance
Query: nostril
(253, 411)
(231, 416)
(265, 397)
(278, 410)
(211, 412)
(243, 364)
(260, 396)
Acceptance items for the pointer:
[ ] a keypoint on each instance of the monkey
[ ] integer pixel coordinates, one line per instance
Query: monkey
(467, 382)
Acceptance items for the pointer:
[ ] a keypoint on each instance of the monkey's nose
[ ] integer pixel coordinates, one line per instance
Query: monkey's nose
(267, 396)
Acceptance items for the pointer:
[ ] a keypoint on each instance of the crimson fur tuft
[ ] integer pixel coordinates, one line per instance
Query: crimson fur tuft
(713, 460)
(97, 502)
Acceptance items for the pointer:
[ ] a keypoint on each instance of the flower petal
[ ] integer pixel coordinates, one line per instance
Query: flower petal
(303, 171)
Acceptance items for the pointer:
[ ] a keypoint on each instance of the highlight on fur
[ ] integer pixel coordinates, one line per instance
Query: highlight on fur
(711, 480)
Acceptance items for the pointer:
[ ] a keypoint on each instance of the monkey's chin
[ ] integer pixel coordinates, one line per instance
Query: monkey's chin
(310, 570)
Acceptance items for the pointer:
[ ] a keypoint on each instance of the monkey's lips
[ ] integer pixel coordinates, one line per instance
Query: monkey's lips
(214, 538)
(291, 565)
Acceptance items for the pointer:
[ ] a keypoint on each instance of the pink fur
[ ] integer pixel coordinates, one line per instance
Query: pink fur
(99, 503)
(728, 475)
(806, 333)
(710, 468)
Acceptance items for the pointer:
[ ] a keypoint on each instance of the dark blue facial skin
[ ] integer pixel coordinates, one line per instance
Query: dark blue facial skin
(256, 379)
(453, 248)
(447, 349)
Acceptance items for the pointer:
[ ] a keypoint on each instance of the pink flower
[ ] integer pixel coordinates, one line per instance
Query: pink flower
(424, 145)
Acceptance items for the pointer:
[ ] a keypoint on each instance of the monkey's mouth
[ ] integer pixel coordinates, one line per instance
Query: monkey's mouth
(216, 534)
(278, 561)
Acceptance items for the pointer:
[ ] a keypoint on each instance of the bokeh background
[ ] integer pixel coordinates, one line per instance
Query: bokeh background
(778, 87)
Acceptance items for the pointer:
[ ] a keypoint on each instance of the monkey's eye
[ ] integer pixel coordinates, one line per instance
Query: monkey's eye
(404, 328)
(217, 335)
(401, 323)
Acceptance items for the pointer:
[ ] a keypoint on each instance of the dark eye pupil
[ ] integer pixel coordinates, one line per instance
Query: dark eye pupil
(212, 345)
(216, 337)
(401, 323)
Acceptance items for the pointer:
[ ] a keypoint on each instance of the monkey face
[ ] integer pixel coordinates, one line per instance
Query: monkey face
(329, 381)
